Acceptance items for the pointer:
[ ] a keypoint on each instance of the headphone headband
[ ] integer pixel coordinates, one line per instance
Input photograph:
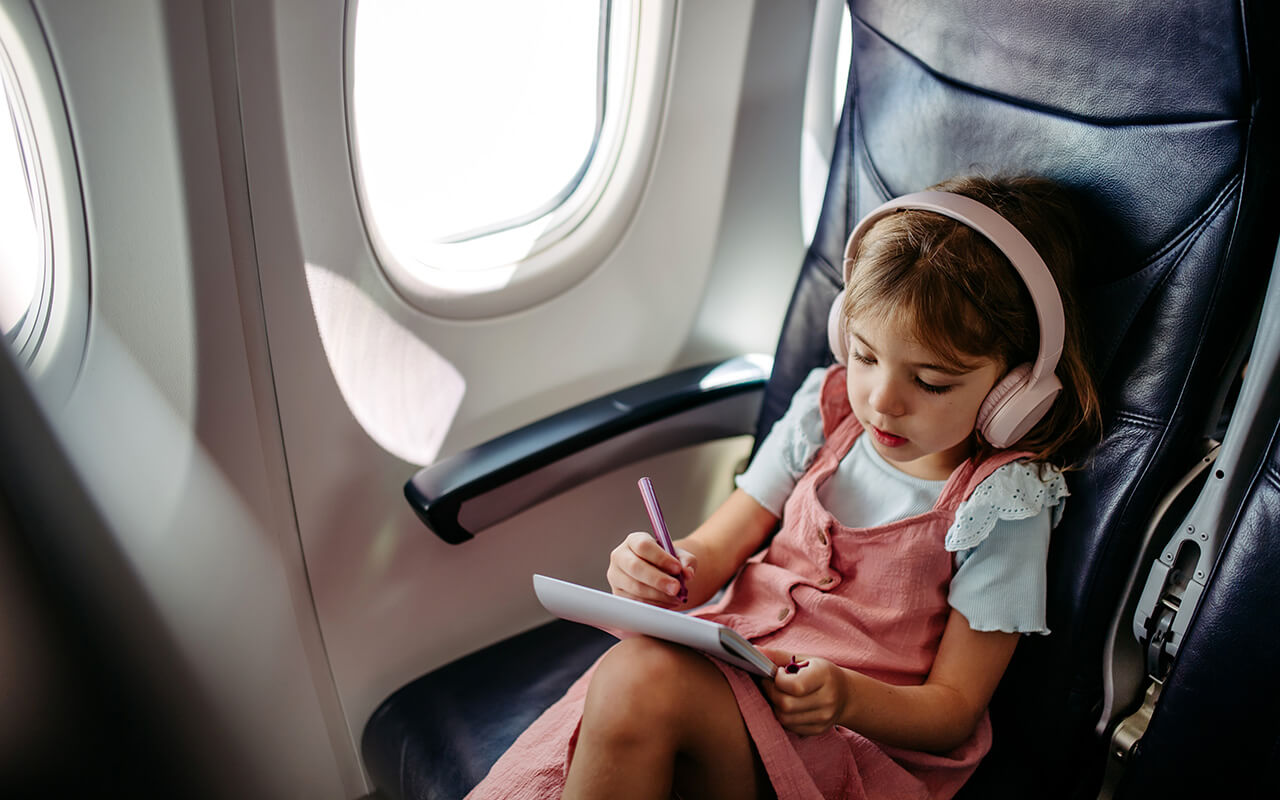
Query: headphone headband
(1008, 240)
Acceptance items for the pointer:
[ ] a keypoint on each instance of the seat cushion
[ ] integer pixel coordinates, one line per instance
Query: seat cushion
(437, 736)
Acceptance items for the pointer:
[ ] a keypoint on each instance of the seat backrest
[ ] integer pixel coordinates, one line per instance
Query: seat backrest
(1160, 119)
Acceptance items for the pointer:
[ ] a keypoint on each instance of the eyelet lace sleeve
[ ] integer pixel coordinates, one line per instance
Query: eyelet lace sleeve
(1015, 491)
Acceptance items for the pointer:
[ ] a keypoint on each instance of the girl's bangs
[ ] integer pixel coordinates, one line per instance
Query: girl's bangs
(919, 297)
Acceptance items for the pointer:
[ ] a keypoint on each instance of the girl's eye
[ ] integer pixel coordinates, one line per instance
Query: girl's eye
(860, 358)
(932, 388)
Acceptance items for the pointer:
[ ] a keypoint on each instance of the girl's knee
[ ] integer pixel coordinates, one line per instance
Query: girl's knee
(640, 682)
(651, 702)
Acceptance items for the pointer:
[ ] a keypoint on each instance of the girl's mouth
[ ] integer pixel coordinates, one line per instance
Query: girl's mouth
(888, 439)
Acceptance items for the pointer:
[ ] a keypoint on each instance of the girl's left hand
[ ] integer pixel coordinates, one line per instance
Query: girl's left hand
(807, 699)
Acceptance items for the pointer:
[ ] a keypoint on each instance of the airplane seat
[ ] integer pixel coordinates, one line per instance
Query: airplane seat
(1213, 731)
(1189, 706)
(1159, 120)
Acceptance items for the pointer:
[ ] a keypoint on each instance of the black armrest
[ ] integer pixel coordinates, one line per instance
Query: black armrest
(528, 465)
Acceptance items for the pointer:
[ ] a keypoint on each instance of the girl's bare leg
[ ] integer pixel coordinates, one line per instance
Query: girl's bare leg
(659, 716)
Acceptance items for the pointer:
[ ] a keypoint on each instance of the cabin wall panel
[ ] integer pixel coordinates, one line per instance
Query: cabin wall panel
(264, 520)
(392, 599)
(162, 422)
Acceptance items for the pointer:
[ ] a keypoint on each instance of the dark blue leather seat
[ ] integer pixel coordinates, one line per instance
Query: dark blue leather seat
(1216, 729)
(1160, 118)
(438, 736)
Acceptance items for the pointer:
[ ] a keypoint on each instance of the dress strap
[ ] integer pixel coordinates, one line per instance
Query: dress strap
(834, 401)
(969, 475)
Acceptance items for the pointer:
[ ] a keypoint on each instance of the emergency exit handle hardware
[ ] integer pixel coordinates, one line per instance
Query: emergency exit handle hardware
(1178, 578)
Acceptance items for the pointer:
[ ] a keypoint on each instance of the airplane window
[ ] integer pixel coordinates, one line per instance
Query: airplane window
(844, 54)
(44, 260)
(829, 55)
(24, 256)
(481, 131)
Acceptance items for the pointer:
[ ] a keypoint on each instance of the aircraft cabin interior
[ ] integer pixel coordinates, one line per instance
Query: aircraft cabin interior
(328, 324)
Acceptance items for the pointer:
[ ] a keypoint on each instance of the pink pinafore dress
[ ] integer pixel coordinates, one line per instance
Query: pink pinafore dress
(869, 599)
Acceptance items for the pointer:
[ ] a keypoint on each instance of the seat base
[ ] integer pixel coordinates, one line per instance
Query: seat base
(435, 738)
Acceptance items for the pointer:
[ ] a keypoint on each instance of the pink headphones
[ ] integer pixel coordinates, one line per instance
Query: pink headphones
(1022, 397)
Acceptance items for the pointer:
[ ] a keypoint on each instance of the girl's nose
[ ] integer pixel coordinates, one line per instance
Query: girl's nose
(886, 398)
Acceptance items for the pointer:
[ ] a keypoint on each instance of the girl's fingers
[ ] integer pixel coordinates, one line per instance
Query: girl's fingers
(647, 549)
(636, 587)
(805, 714)
(806, 693)
(785, 701)
(689, 561)
(623, 583)
(793, 676)
(633, 572)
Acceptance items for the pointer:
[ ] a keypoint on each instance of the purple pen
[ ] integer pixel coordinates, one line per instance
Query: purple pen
(660, 531)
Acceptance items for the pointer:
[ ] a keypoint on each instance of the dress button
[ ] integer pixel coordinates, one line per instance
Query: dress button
(826, 581)
(782, 613)
(822, 537)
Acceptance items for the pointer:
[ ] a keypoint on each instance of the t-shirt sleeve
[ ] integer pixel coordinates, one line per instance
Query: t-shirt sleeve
(1001, 584)
(1001, 540)
(788, 448)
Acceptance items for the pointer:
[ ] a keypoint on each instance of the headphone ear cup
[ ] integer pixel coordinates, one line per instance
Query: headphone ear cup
(835, 330)
(1014, 406)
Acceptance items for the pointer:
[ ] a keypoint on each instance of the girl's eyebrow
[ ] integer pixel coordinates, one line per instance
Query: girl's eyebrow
(943, 368)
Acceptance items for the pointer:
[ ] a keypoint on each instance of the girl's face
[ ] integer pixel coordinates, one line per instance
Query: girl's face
(918, 411)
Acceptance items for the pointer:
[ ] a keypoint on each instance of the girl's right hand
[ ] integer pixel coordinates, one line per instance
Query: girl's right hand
(640, 569)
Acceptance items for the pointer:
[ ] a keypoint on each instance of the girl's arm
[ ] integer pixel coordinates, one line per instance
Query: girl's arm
(640, 569)
(935, 716)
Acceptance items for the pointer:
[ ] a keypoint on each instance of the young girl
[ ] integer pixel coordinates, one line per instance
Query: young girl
(916, 481)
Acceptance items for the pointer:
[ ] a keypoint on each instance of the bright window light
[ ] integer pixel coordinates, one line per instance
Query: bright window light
(844, 54)
(474, 122)
(829, 55)
(23, 267)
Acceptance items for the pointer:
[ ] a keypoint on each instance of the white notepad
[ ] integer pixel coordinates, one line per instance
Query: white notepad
(620, 616)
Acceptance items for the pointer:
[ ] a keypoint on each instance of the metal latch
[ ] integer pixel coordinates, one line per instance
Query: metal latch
(1124, 741)
(1129, 732)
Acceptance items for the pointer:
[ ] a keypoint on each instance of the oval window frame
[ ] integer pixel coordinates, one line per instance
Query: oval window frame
(54, 351)
(25, 337)
(481, 278)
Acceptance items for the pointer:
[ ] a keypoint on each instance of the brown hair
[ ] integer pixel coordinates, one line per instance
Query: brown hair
(965, 300)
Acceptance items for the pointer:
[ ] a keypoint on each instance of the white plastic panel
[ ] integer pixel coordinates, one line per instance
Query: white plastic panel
(248, 391)
(728, 78)
(166, 421)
